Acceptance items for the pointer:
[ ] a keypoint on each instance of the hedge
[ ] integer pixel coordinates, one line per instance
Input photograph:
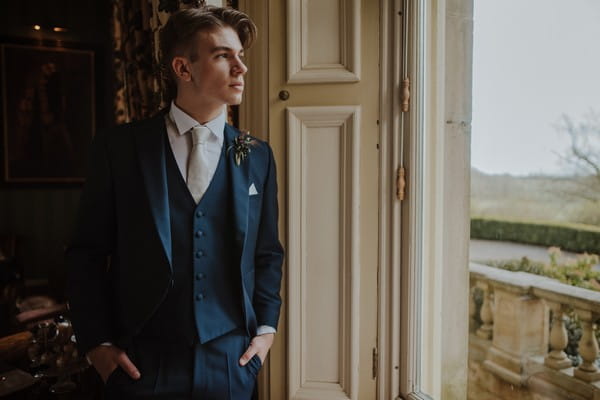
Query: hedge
(569, 237)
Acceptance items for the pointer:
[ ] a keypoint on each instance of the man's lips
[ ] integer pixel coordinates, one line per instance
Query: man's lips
(237, 85)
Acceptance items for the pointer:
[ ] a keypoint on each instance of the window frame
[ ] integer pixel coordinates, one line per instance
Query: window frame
(424, 239)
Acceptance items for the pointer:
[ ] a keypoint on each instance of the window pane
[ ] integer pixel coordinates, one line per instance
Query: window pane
(535, 199)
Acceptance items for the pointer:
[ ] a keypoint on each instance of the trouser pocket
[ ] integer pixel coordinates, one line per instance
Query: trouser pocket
(146, 358)
(113, 375)
(255, 364)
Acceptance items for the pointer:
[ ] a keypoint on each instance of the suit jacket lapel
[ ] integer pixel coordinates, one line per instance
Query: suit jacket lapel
(239, 182)
(150, 140)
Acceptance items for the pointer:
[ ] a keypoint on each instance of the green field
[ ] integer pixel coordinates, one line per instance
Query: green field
(532, 198)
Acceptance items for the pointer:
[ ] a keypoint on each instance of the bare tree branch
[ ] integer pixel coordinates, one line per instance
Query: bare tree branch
(583, 156)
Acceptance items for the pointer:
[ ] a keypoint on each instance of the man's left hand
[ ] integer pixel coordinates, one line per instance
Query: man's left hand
(259, 345)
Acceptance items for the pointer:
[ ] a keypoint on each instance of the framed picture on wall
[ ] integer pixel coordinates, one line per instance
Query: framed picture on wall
(48, 112)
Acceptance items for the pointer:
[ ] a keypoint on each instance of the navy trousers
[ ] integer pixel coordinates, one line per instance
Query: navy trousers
(175, 370)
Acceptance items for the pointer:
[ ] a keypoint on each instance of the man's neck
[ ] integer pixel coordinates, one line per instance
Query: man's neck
(200, 112)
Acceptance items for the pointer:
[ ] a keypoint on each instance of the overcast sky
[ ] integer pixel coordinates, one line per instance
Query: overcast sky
(533, 61)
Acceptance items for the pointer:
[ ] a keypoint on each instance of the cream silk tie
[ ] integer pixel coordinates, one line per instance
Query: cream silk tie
(197, 174)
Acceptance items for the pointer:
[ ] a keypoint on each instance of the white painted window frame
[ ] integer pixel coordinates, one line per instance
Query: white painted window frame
(423, 329)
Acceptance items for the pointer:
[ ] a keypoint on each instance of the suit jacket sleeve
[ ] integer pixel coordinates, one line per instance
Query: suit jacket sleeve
(88, 288)
(268, 254)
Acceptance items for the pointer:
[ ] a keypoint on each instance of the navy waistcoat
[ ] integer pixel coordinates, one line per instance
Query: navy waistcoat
(204, 301)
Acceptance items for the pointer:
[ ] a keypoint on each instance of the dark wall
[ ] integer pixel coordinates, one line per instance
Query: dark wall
(42, 215)
(87, 21)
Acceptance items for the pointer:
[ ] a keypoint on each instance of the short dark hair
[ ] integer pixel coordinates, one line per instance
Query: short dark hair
(178, 36)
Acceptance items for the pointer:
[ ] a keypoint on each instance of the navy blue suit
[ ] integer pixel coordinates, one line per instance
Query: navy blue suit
(148, 268)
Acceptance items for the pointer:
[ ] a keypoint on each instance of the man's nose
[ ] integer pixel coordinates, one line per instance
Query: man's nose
(239, 68)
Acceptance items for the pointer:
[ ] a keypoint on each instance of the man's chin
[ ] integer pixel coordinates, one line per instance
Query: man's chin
(235, 102)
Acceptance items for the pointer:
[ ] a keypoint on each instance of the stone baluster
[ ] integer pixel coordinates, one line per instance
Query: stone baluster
(472, 309)
(486, 313)
(588, 348)
(559, 340)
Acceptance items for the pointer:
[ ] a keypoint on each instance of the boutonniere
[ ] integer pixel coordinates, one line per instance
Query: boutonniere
(241, 147)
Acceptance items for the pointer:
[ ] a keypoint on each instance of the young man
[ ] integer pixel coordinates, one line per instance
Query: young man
(175, 265)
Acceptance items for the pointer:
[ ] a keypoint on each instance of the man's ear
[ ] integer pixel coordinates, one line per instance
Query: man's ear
(181, 68)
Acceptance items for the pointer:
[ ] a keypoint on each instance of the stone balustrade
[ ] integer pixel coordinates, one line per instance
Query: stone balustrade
(518, 336)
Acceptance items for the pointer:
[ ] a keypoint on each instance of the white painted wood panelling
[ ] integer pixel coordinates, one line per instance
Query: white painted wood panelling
(323, 41)
(323, 256)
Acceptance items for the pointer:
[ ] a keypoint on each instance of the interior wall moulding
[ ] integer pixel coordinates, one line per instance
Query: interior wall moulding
(323, 41)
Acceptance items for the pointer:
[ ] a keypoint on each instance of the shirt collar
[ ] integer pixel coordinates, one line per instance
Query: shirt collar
(184, 122)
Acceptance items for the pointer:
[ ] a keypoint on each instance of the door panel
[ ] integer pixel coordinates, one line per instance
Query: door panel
(323, 41)
(323, 251)
(325, 138)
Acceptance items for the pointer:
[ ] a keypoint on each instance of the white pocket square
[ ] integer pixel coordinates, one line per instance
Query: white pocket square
(252, 191)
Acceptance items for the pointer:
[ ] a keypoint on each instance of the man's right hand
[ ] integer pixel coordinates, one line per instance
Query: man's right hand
(106, 359)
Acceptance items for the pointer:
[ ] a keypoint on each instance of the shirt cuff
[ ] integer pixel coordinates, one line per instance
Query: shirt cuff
(264, 329)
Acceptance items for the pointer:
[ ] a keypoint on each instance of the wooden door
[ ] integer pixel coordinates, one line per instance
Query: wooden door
(322, 69)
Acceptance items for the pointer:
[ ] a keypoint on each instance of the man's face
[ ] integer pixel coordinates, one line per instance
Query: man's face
(217, 74)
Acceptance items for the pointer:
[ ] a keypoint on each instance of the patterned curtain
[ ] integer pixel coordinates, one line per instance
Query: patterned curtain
(134, 26)
(136, 83)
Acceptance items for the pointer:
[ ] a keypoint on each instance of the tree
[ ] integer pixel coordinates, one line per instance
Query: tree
(583, 159)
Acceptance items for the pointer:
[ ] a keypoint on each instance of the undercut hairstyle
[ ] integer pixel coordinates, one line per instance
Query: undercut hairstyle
(178, 37)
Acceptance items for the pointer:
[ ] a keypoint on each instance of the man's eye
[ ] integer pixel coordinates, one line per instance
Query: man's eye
(223, 55)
